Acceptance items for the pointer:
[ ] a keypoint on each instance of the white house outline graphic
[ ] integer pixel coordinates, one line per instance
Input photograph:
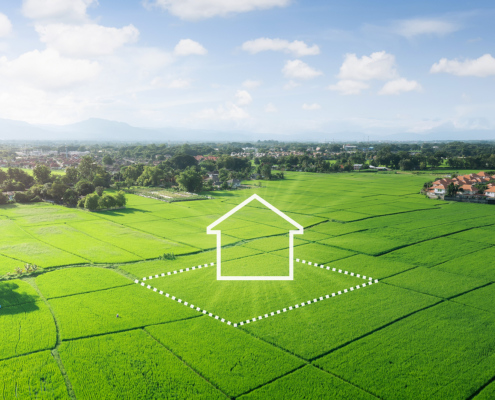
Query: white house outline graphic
(299, 231)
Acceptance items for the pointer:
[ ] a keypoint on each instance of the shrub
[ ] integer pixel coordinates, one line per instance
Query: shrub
(99, 190)
(107, 201)
(91, 201)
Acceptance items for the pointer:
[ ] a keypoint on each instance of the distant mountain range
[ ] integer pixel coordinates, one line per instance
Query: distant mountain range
(95, 129)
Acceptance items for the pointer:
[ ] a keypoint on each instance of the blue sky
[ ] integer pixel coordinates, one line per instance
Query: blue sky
(265, 66)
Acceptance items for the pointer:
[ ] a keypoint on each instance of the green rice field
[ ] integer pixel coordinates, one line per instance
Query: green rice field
(393, 296)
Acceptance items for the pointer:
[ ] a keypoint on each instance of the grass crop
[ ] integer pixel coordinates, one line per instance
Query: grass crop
(362, 242)
(130, 365)
(255, 231)
(434, 252)
(482, 298)
(435, 282)
(260, 265)
(35, 376)
(142, 244)
(26, 328)
(71, 240)
(274, 243)
(475, 264)
(325, 326)
(66, 282)
(315, 252)
(376, 267)
(476, 235)
(239, 300)
(344, 216)
(308, 383)
(16, 292)
(229, 358)
(95, 313)
(447, 348)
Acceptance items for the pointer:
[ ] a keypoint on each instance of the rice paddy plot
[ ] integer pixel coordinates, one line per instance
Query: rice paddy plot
(337, 228)
(95, 313)
(241, 300)
(320, 328)
(167, 229)
(69, 281)
(26, 328)
(9, 265)
(130, 365)
(16, 292)
(136, 242)
(478, 264)
(34, 376)
(448, 348)
(255, 231)
(476, 235)
(260, 265)
(316, 253)
(274, 243)
(229, 358)
(204, 241)
(362, 242)
(434, 252)
(435, 282)
(128, 216)
(377, 267)
(344, 216)
(308, 383)
(482, 298)
(71, 240)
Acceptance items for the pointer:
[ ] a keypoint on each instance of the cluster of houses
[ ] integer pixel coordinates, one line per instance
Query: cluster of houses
(466, 185)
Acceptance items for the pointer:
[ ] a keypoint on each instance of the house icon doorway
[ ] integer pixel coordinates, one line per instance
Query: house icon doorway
(211, 231)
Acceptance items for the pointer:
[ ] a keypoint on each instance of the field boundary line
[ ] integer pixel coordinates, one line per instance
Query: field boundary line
(54, 351)
(368, 282)
(55, 247)
(91, 291)
(186, 364)
(103, 241)
(480, 389)
(374, 331)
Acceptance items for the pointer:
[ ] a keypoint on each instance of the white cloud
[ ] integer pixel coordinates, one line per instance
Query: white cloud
(400, 85)
(249, 84)
(48, 70)
(291, 85)
(187, 47)
(299, 70)
(348, 87)
(379, 65)
(480, 67)
(201, 9)
(414, 27)
(228, 112)
(297, 47)
(5, 25)
(243, 97)
(57, 10)
(85, 40)
(314, 106)
(270, 108)
(179, 83)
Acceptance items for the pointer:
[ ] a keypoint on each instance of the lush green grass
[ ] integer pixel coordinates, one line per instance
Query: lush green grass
(130, 365)
(316, 253)
(376, 267)
(448, 349)
(482, 298)
(308, 383)
(16, 292)
(435, 282)
(325, 326)
(95, 313)
(26, 328)
(66, 282)
(35, 376)
(71, 240)
(229, 358)
(241, 300)
(478, 264)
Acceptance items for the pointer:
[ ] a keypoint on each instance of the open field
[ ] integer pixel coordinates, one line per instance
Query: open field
(83, 328)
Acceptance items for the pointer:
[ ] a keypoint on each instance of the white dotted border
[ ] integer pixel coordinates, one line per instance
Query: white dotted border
(175, 272)
(369, 282)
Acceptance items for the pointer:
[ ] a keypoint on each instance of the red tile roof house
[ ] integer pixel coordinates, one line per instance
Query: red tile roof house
(490, 192)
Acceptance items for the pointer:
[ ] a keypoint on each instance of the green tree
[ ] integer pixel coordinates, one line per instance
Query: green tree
(87, 168)
(3, 199)
(71, 174)
(99, 180)
(70, 197)
(84, 187)
(107, 160)
(3, 176)
(106, 201)
(42, 173)
(190, 180)
(120, 199)
(151, 176)
(57, 190)
(266, 171)
(99, 190)
(91, 202)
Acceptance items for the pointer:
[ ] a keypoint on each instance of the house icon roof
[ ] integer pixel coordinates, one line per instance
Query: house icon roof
(298, 231)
